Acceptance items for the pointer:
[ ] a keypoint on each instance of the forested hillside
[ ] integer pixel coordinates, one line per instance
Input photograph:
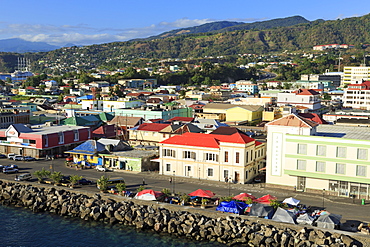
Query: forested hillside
(293, 38)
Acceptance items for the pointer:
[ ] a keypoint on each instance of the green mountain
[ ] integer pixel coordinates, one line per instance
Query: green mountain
(226, 26)
(300, 37)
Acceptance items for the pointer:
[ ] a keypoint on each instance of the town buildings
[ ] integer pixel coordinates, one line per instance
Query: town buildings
(355, 75)
(39, 141)
(329, 159)
(302, 97)
(226, 154)
(357, 95)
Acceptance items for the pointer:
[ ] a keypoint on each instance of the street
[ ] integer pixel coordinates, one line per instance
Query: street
(343, 206)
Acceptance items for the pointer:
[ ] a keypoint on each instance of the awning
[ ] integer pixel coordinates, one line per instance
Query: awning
(156, 160)
(262, 169)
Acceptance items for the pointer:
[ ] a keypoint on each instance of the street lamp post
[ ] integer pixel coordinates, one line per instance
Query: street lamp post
(173, 183)
(229, 179)
(323, 199)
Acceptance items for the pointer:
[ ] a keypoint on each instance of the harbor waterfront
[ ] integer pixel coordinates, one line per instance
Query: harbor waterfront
(178, 221)
(25, 228)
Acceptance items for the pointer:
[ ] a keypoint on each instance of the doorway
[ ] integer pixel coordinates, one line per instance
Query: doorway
(301, 183)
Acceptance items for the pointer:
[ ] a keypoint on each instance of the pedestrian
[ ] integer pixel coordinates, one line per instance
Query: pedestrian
(170, 180)
(226, 180)
(143, 181)
(16, 177)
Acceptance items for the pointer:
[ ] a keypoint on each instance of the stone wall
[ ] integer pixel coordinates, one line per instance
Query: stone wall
(201, 225)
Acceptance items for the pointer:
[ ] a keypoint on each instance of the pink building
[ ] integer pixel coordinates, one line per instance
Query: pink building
(39, 141)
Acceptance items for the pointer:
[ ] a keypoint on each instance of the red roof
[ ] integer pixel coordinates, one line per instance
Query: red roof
(313, 117)
(304, 91)
(152, 126)
(182, 119)
(207, 140)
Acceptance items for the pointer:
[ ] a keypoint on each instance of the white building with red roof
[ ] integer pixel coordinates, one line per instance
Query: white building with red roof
(302, 97)
(357, 96)
(226, 154)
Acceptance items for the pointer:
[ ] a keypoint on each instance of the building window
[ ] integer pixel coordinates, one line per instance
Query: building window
(189, 155)
(340, 168)
(46, 141)
(361, 171)
(362, 154)
(237, 157)
(169, 153)
(321, 150)
(210, 172)
(226, 156)
(302, 148)
(301, 165)
(341, 152)
(226, 175)
(246, 157)
(211, 157)
(32, 141)
(320, 166)
(168, 167)
(61, 137)
(76, 135)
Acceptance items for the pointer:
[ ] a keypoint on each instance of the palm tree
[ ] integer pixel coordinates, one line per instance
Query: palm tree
(56, 177)
(102, 183)
(74, 179)
(42, 174)
(121, 187)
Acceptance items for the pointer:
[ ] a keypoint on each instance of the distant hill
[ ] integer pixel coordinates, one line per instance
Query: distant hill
(226, 26)
(21, 46)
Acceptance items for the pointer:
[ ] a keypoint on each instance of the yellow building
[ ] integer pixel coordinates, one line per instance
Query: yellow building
(240, 113)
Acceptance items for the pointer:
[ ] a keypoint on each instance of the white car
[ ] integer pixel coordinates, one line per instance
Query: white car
(18, 157)
(28, 158)
(101, 168)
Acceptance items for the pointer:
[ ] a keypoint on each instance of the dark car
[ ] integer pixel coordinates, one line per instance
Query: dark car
(3, 156)
(65, 179)
(84, 181)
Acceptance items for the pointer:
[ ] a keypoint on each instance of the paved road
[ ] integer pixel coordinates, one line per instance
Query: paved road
(342, 206)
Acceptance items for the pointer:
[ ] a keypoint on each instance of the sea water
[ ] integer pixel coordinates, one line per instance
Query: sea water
(22, 227)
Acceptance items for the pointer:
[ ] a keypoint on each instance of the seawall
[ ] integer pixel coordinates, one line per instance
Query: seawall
(198, 224)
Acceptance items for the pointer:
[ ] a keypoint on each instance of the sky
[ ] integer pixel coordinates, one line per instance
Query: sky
(82, 22)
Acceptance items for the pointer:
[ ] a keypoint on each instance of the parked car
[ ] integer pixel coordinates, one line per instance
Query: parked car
(18, 157)
(65, 180)
(23, 177)
(84, 181)
(12, 166)
(101, 168)
(11, 155)
(8, 170)
(70, 158)
(28, 158)
(3, 156)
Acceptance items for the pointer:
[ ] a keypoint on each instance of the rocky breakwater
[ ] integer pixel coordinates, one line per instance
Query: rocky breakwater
(226, 229)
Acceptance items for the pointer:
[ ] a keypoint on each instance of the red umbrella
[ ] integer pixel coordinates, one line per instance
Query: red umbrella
(244, 197)
(148, 191)
(202, 193)
(266, 199)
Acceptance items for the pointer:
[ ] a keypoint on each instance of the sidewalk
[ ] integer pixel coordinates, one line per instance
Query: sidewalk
(257, 187)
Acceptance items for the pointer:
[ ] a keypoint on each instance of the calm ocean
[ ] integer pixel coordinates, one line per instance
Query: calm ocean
(21, 227)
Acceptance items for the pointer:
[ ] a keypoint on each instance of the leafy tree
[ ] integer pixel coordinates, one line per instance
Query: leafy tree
(141, 188)
(166, 191)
